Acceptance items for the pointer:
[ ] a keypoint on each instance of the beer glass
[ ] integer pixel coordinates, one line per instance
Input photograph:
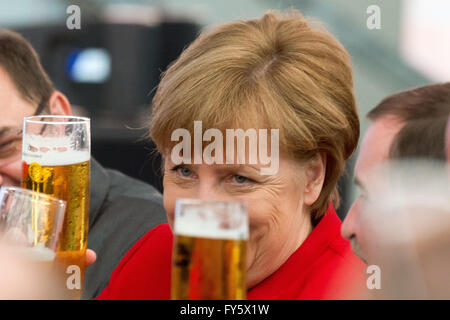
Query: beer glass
(56, 161)
(209, 250)
(31, 222)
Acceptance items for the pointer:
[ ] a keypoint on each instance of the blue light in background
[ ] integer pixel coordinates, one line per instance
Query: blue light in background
(89, 65)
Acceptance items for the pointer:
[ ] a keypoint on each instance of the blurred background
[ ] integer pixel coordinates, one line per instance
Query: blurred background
(109, 69)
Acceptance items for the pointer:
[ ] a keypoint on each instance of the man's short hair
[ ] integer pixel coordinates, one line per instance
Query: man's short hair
(424, 112)
(420, 139)
(21, 62)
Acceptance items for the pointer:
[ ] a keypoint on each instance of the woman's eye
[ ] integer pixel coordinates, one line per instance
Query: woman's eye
(185, 172)
(240, 179)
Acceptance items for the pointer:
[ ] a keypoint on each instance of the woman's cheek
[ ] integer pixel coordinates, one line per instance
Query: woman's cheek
(256, 235)
(169, 205)
(250, 255)
(172, 192)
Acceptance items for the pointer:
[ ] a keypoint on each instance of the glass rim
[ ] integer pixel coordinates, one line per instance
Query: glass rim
(180, 202)
(79, 120)
(209, 201)
(209, 225)
(27, 192)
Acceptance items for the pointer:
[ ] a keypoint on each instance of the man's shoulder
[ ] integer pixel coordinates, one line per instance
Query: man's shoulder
(157, 241)
(126, 186)
(128, 201)
(122, 211)
(144, 272)
(117, 228)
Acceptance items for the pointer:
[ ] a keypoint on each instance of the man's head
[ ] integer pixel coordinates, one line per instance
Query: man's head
(393, 133)
(25, 90)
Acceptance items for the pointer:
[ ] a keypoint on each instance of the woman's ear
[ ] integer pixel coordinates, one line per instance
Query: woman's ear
(59, 104)
(315, 175)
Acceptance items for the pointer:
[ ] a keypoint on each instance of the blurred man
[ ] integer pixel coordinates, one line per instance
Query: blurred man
(407, 220)
(410, 124)
(122, 209)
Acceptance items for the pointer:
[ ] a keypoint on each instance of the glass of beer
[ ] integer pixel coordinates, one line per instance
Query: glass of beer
(31, 223)
(209, 256)
(56, 161)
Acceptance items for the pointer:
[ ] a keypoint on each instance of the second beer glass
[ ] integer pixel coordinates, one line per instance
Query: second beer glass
(56, 161)
(209, 257)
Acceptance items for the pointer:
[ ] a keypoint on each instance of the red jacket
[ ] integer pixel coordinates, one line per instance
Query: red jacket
(323, 267)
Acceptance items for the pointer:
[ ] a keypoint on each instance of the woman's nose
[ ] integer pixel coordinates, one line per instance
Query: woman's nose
(206, 192)
(209, 190)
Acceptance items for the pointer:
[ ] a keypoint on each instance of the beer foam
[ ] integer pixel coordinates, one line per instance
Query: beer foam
(37, 253)
(51, 151)
(191, 224)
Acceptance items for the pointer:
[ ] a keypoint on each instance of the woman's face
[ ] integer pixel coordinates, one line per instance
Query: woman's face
(277, 204)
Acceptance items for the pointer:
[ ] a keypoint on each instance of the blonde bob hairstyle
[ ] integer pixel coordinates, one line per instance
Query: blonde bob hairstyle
(280, 72)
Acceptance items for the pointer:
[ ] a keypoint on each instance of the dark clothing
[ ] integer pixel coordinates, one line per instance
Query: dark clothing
(122, 210)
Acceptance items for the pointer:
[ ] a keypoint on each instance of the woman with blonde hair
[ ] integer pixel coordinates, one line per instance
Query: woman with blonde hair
(278, 72)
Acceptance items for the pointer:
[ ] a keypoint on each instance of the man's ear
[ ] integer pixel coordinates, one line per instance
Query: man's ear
(59, 104)
(315, 175)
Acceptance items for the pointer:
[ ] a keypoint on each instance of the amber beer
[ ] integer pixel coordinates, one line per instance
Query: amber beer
(53, 165)
(69, 183)
(209, 258)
